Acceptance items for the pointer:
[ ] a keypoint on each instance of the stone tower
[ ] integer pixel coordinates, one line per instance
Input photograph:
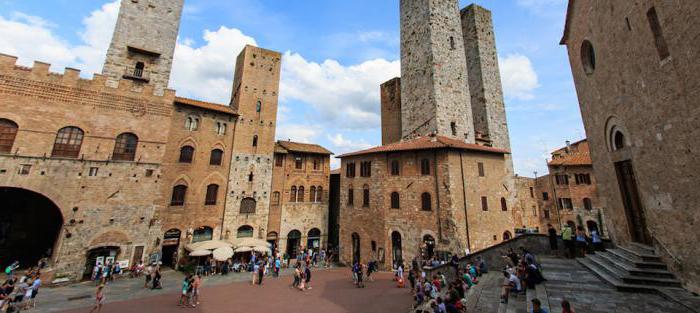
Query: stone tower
(255, 95)
(391, 111)
(143, 43)
(434, 88)
(487, 103)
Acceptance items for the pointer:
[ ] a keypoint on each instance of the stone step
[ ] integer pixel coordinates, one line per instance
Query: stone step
(612, 280)
(632, 270)
(517, 304)
(644, 256)
(541, 292)
(642, 247)
(635, 260)
(626, 277)
(683, 297)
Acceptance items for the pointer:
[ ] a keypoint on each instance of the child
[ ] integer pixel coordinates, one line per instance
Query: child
(99, 299)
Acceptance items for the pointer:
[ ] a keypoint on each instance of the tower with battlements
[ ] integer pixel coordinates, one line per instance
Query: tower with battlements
(143, 43)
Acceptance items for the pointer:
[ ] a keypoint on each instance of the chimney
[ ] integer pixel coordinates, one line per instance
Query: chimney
(568, 146)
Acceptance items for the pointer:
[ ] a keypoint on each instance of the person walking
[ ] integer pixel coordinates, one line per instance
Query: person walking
(297, 276)
(183, 294)
(261, 273)
(567, 237)
(156, 278)
(148, 271)
(552, 237)
(99, 299)
(35, 290)
(307, 277)
(581, 241)
(196, 285)
(596, 240)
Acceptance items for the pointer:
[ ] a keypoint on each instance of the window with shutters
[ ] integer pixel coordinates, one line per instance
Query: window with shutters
(365, 196)
(275, 198)
(178, 196)
(482, 173)
(504, 204)
(312, 194)
(293, 194)
(300, 194)
(351, 196)
(212, 192)
(319, 194)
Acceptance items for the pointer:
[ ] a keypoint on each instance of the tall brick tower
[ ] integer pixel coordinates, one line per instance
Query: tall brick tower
(143, 43)
(434, 85)
(487, 103)
(391, 110)
(255, 95)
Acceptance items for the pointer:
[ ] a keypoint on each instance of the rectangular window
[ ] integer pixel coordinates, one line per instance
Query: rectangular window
(316, 164)
(351, 196)
(24, 169)
(546, 214)
(298, 162)
(366, 169)
(425, 167)
(545, 196)
(484, 204)
(659, 40)
(279, 158)
(565, 203)
(395, 168)
(350, 170)
(481, 169)
(532, 192)
(93, 171)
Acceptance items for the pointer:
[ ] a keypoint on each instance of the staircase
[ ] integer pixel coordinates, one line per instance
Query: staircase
(638, 268)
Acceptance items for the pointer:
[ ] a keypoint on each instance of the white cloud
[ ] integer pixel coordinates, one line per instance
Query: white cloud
(343, 145)
(206, 72)
(297, 132)
(99, 27)
(31, 38)
(518, 77)
(346, 96)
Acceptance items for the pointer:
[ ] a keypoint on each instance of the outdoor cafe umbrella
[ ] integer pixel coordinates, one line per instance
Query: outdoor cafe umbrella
(200, 253)
(250, 242)
(207, 245)
(261, 249)
(223, 253)
(243, 249)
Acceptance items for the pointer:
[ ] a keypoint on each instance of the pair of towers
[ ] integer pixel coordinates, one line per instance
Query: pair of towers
(450, 84)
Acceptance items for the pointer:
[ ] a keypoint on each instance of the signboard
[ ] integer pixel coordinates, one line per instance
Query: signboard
(171, 241)
(109, 260)
(123, 264)
(154, 258)
(100, 261)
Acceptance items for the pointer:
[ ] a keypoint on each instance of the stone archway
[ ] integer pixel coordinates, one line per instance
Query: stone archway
(29, 226)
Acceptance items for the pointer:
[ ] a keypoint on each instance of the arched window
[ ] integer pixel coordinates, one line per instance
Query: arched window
(68, 142)
(276, 198)
(248, 206)
(125, 147)
(178, 198)
(250, 177)
(351, 196)
(244, 231)
(258, 106)
(293, 194)
(504, 205)
(186, 154)
(220, 128)
(212, 192)
(365, 196)
(138, 69)
(424, 167)
(395, 200)
(319, 194)
(191, 123)
(618, 140)
(314, 239)
(355, 248)
(216, 157)
(426, 202)
(300, 194)
(506, 235)
(587, 57)
(255, 140)
(312, 194)
(8, 132)
(203, 233)
(587, 204)
(395, 168)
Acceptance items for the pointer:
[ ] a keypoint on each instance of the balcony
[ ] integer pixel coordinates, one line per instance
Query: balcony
(137, 74)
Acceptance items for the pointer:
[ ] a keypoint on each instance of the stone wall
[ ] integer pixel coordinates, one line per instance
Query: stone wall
(434, 85)
(526, 212)
(152, 28)
(643, 85)
(391, 110)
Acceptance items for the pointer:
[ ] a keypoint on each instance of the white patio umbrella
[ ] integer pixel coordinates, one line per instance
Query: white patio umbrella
(207, 245)
(243, 249)
(250, 242)
(200, 252)
(223, 253)
(261, 249)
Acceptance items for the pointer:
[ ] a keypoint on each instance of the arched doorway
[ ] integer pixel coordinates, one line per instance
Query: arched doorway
(314, 239)
(100, 256)
(591, 225)
(355, 248)
(506, 236)
(429, 244)
(29, 226)
(272, 239)
(396, 252)
(171, 244)
(293, 241)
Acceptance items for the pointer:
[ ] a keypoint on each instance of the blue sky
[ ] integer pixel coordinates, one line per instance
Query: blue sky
(336, 53)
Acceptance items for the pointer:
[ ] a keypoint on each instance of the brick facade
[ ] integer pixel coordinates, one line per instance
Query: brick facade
(636, 74)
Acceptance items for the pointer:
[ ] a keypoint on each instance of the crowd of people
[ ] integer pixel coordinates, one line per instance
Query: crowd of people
(577, 243)
(18, 292)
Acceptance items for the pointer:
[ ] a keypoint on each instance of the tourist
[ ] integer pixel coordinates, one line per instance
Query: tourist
(261, 272)
(196, 284)
(10, 269)
(581, 241)
(307, 277)
(481, 266)
(537, 306)
(97, 274)
(156, 278)
(399, 270)
(278, 264)
(412, 279)
(360, 283)
(566, 306)
(322, 256)
(185, 288)
(254, 272)
(511, 285)
(148, 271)
(21, 291)
(99, 299)
(552, 237)
(567, 237)
(596, 241)
(512, 257)
(297, 276)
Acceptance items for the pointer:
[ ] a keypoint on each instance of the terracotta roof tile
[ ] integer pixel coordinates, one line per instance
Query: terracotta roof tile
(206, 105)
(303, 147)
(280, 149)
(573, 159)
(427, 143)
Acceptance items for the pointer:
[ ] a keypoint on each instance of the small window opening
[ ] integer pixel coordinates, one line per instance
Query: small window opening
(255, 141)
(138, 70)
(659, 40)
(250, 177)
(453, 125)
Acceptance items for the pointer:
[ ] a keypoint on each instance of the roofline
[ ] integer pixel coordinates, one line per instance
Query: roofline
(569, 13)
(358, 153)
(224, 109)
(572, 144)
(278, 142)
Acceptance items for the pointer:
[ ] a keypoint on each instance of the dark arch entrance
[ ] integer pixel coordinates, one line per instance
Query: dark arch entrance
(171, 246)
(293, 242)
(355, 248)
(429, 243)
(314, 239)
(396, 248)
(29, 226)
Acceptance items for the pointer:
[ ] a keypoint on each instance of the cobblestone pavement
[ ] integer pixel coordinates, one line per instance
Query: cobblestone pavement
(332, 292)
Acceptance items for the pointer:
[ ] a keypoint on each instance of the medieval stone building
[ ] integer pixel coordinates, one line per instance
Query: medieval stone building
(120, 169)
(442, 182)
(526, 209)
(636, 73)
